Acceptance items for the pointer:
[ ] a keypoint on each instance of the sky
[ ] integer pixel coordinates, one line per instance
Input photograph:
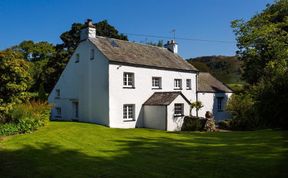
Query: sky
(204, 22)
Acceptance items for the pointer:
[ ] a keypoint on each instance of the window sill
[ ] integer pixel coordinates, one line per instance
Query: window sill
(129, 87)
(57, 97)
(177, 88)
(129, 120)
(156, 88)
(178, 115)
(188, 89)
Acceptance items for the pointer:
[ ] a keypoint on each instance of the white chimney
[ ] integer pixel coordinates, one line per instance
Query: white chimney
(172, 46)
(89, 31)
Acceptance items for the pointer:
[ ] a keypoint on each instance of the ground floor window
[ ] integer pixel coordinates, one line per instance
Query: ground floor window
(178, 109)
(220, 104)
(58, 112)
(128, 112)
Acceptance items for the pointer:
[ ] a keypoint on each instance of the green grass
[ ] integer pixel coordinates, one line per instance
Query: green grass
(66, 149)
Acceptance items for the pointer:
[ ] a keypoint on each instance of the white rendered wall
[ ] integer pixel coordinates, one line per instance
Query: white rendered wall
(155, 117)
(143, 90)
(175, 123)
(209, 100)
(87, 82)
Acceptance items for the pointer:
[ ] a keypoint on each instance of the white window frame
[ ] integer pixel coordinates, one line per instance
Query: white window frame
(156, 84)
(188, 84)
(177, 84)
(92, 54)
(77, 58)
(128, 80)
(128, 112)
(178, 109)
(220, 104)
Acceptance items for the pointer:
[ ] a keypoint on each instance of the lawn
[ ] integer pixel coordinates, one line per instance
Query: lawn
(67, 149)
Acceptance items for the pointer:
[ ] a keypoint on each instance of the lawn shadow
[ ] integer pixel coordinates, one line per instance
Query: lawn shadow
(190, 155)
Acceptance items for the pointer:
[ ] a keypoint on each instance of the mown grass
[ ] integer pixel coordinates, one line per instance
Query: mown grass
(67, 149)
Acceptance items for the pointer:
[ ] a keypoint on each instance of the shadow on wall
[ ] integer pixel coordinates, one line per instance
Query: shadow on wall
(220, 114)
(174, 155)
(140, 119)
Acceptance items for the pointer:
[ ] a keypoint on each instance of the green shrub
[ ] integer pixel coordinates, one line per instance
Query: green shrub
(225, 124)
(242, 108)
(26, 118)
(193, 124)
(9, 129)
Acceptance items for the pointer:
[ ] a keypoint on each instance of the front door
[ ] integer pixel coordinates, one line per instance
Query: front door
(75, 111)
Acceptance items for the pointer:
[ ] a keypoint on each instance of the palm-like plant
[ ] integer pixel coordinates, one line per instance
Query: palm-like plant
(197, 105)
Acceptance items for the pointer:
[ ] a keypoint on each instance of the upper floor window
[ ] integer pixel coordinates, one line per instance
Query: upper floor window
(188, 84)
(178, 109)
(92, 51)
(77, 58)
(128, 80)
(156, 82)
(128, 112)
(220, 104)
(177, 84)
(57, 93)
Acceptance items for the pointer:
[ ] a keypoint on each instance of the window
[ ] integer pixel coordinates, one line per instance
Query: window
(156, 82)
(178, 109)
(77, 58)
(57, 93)
(92, 51)
(58, 111)
(220, 104)
(177, 84)
(128, 80)
(128, 112)
(188, 84)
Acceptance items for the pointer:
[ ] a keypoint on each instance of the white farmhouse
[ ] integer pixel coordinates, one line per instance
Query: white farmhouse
(122, 84)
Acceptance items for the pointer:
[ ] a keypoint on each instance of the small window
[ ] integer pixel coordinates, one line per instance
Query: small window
(58, 111)
(220, 104)
(77, 58)
(178, 109)
(57, 93)
(188, 84)
(156, 82)
(92, 51)
(128, 80)
(128, 112)
(177, 84)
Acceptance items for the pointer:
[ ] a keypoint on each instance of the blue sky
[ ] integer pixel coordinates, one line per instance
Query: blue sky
(45, 20)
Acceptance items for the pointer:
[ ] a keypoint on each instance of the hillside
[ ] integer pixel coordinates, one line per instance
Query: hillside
(225, 68)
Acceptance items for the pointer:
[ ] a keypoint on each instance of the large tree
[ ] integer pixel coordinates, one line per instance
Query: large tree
(15, 79)
(263, 48)
(71, 39)
(262, 39)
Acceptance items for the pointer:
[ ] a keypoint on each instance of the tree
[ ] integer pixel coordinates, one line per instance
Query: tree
(262, 39)
(15, 79)
(64, 51)
(263, 48)
(38, 54)
(197, 105)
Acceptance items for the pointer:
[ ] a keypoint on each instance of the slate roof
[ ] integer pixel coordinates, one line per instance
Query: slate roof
(164, 98)
(208, 83)
(130, 53)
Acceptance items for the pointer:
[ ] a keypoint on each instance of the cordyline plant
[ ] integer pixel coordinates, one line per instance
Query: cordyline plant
(197, 105)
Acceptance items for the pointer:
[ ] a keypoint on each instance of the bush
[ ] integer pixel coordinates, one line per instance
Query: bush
(193, 124)
(241, 106)
(9, 129)
(224, 125)
(26, 118)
